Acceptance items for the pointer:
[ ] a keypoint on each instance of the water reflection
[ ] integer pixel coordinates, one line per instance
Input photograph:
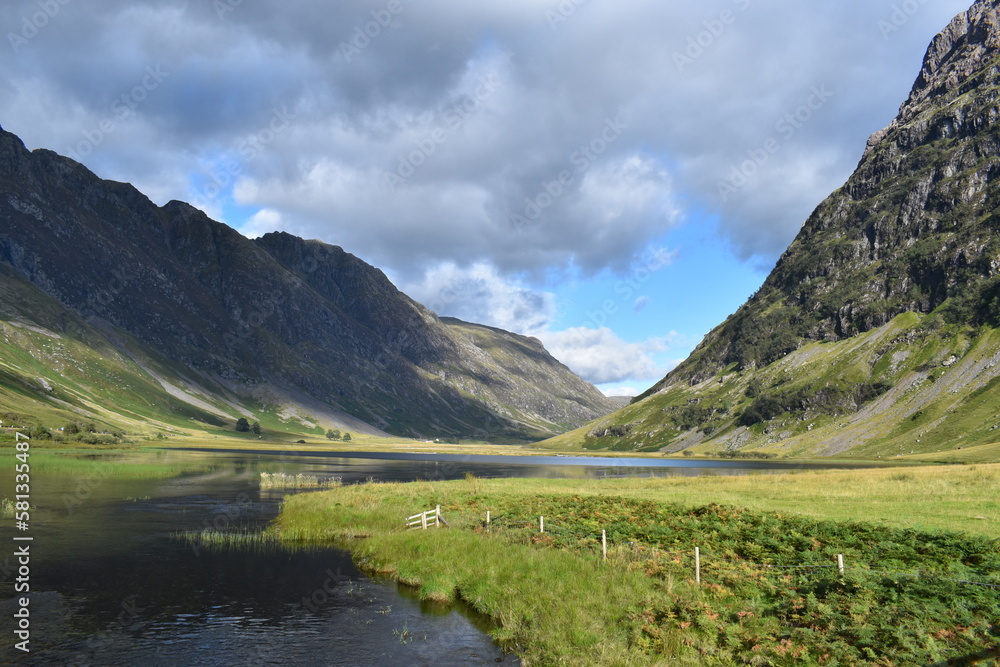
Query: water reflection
(112, 584)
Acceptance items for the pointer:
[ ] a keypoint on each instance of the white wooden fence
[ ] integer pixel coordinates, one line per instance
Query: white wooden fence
(425, 519)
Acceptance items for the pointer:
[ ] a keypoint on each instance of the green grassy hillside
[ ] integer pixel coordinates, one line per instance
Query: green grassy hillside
(912, 386)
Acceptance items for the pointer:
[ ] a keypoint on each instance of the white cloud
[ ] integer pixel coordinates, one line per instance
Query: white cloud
(480, 294)
(619, 389)
(601, 357)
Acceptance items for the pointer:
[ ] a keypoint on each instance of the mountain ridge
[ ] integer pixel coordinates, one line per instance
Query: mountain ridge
(259, 325)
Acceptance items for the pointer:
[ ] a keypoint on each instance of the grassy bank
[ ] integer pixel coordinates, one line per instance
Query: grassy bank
(104, 463)
(770, 594)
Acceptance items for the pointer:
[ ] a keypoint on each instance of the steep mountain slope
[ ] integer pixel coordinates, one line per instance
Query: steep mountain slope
(273, 327)
(892, 283)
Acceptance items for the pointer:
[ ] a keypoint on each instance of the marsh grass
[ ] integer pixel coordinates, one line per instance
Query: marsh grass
(209, 539)
(281, 480)
(555, 602)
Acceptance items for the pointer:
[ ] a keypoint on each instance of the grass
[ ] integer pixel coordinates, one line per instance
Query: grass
(281, 480)
(115, 464)
(979, 454)
(555, 602)
(910, 387)
(210, 540)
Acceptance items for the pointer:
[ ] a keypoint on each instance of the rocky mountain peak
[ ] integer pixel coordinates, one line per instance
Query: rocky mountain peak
(954, 57)
(958, 51)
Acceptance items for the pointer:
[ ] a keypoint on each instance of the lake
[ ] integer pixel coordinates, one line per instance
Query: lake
(112, 583)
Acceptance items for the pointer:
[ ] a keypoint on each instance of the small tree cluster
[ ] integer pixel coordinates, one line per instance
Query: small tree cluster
(243, 426)
(334, 434)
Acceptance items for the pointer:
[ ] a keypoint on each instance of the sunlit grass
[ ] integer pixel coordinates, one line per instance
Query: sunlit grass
(128, 464)
(556, 605)
(215, 539)
(281, 480)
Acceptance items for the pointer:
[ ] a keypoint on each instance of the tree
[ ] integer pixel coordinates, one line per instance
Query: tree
(347, 437)
(242, 425)
(255, 428)
(333, 434)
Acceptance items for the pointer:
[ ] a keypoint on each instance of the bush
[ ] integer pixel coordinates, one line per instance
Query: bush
(242, 425)
(39, 433)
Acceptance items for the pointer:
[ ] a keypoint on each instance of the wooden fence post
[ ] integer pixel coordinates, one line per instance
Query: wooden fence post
(423, 521)
(541, 524)
(840, 563)
(487, 521)
(437, 516)
(604, 544)
(697, 565)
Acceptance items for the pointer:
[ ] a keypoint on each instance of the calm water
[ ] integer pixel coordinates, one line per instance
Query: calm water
(112, 585)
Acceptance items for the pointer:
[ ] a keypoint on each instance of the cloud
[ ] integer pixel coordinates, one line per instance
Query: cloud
(483, 107)
(494, 146)
(480, 294)
(618, 389)
(601, 357)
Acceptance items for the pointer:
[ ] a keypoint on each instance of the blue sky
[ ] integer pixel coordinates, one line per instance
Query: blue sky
(613, 178)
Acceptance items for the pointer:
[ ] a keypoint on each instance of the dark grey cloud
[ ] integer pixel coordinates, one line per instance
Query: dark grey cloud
(524, 135)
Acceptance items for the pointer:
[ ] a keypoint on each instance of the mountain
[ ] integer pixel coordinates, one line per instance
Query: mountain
(144, 317)
(875, 332)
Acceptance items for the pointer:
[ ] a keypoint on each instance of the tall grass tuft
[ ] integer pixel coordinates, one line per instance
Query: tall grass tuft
(218, 540)
(281, 480)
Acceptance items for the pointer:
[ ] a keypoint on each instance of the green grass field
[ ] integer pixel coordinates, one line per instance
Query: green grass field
(770, 594)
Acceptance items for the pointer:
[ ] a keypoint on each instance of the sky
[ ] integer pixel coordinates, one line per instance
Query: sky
(613, 178)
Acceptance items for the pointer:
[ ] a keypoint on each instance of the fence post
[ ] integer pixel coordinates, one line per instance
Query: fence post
(487, 521)
(840, 563)
(437, 516)
(541, 524)
(697, 565)
(423, 520)
(604, 544)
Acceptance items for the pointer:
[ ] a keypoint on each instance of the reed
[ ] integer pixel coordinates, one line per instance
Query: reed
(281, 480)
